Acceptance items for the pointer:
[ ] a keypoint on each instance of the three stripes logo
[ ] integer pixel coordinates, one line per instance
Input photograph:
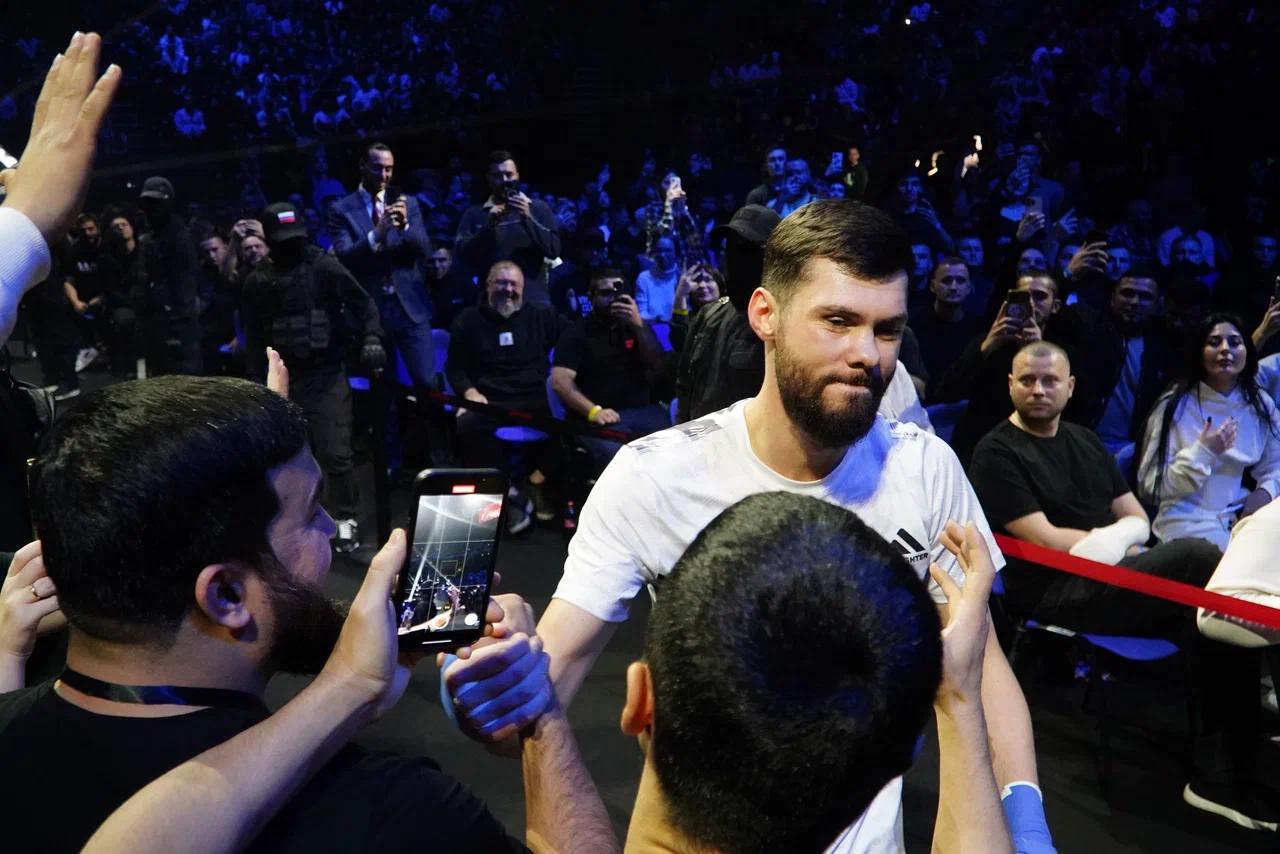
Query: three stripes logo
(909, 547)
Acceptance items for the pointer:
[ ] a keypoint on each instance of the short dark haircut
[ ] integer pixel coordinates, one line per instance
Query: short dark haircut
(374, 146)
(795, 657)
(862, 240)
(146, 483)
(1041, 349)
(81, 219)
(952, 261)
(499, 155)
(1041, 274)
(598, 273)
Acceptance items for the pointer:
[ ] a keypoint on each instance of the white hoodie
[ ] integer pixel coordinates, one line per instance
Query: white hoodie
(1201, 493)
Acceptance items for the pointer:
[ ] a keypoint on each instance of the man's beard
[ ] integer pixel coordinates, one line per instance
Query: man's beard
(307, 625)
(506, 306)
(802, 399)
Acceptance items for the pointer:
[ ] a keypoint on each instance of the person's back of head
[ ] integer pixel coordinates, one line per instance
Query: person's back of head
(794, 658)
(146, 483)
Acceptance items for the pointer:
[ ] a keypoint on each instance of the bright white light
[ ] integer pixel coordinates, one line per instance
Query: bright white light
(907, 21)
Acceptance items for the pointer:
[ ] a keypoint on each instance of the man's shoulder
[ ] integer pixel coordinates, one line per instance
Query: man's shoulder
(700, 437)
(15, 705)
(1002, 437)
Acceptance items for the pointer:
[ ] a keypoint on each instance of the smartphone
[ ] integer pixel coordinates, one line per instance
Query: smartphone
(837, 159)
(443, 591)
(1035, 204)
(512, 189)
(675, 182)
(1017, 306)
(1276, 292)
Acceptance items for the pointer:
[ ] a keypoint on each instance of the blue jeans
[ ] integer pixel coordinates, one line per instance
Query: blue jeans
(638, 421)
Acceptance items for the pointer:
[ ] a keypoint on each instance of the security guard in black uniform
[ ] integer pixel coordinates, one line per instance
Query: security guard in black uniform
(166, 296)
(310, 309)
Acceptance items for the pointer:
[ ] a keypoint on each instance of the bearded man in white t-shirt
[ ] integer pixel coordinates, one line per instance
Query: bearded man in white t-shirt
(831, 311)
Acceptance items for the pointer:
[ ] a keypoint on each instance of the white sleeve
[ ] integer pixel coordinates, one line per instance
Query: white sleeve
(1187, 463)
(24, 261)
(951, 498)
(608, 555)
(1247, 572)
(1266, 471)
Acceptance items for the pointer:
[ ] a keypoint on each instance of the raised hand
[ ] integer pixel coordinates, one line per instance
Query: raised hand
(1222, 439)
(51, 178)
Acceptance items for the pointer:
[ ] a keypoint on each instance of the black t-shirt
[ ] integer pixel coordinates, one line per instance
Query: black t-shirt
(941, 342)
(505, 358)
(67, 769)
(607, 358)
(1070, 478)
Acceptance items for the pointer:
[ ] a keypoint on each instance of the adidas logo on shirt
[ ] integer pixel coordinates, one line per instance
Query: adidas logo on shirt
(909, 547)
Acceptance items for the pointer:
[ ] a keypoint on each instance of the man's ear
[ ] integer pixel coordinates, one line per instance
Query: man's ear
(222, 594)
(1071, 386)
(637, 711)
(763, 314)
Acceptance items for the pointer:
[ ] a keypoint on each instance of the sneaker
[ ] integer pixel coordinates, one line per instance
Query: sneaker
(347, 539)
(1236, 803)
(543, 508)
(519, 513)
(85, 358)
(65, 393)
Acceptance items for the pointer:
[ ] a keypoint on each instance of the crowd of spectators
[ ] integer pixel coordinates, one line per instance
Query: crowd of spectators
(1091, 236)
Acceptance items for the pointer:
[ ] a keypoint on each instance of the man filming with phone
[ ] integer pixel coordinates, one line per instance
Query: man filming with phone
(510, 226)
(200, 579)
(602, 366)
(979, 375)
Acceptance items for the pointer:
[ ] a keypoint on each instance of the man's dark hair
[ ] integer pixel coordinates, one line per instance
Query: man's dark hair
(1041, 349)
(374, 146)
(595, 274)
(81, 219)
(1144, 271)
(146, 483)
(795, 657)
(499, 155)
(862, 240)
(951, 261)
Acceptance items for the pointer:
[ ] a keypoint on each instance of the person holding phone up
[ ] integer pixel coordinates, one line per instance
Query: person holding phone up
(980, 374)
(510, 226)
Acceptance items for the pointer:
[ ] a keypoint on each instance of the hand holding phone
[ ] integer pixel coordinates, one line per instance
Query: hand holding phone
(445, 584)
(1017, 306)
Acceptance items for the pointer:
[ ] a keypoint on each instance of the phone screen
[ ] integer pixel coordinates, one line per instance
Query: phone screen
(1034, 204)
(444, 587)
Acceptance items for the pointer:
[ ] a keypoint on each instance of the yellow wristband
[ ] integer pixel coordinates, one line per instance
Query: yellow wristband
(594, 411)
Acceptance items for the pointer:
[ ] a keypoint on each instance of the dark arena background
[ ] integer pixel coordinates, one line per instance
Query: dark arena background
(1099, 142)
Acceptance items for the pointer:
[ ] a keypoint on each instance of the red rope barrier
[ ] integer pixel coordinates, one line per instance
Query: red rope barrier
(1140, 582)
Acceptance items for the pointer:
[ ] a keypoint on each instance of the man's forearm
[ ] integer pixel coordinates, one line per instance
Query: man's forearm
(221, 799)
(970, 818)
(1013, 747)
(572, 396)
(563, 810)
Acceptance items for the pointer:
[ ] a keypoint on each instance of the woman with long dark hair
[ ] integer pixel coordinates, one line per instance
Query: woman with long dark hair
(1205, 433)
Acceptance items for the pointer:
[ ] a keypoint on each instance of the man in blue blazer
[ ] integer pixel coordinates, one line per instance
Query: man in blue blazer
(382, 239)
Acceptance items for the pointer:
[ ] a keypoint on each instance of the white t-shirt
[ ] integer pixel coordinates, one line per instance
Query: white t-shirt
(660, 491)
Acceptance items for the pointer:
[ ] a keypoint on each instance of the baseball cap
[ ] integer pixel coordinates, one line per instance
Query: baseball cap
(282, 221)
(753, 223)
(156, 187)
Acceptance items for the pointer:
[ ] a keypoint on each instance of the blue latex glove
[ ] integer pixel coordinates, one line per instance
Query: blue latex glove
(1024, 810)
(446, 702)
